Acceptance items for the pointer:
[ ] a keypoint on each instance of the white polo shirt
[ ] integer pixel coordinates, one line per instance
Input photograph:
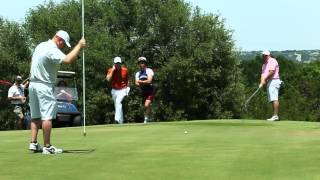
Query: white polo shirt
(143, 74)
(16, 91)
(46, 61)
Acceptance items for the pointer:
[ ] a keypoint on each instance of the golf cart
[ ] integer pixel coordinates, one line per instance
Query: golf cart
(5, 85)
(66, 94)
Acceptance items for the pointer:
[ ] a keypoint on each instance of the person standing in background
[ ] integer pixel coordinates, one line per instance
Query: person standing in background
(17, 98)
(118, 75)
(143, 79)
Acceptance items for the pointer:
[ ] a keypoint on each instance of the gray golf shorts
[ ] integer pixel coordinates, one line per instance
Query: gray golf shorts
(18, 111)
(43, 104)
(273, 89)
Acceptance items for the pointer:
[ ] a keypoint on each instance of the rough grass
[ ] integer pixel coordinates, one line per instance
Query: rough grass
(217, 149)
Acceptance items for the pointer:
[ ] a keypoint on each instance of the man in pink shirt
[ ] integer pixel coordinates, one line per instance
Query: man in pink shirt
(270, 77)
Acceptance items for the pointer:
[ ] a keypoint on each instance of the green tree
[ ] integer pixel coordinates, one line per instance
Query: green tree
(14, 60)
(197, 69)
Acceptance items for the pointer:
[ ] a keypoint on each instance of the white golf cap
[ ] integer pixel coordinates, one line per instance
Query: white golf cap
(65, 36)
(117, 60)
(142, 59)
(18, 78)
(266, 53)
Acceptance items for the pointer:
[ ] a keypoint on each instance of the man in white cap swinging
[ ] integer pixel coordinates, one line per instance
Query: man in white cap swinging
(270, 77)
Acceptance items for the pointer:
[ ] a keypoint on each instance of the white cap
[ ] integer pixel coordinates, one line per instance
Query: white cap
(117, 60)
(18, 78)
(266, 53)
(142, 59)
(65, 36)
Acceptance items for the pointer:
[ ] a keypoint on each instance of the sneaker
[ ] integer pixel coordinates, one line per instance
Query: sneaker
(146, 119)
(35, 147)
(273, 118)
(51, 150)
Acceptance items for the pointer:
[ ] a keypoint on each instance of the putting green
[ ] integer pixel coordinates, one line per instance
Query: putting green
(216, 149)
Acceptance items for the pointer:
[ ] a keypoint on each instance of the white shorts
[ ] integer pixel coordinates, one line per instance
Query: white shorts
(273, 89)
(43, 104)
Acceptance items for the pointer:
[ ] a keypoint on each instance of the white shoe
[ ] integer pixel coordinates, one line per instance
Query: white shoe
(51, 150)
(146, 119)
(273, 118)
(35, 147)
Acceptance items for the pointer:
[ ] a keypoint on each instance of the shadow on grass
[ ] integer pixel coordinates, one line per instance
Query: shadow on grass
(72, 151)
(79, 151)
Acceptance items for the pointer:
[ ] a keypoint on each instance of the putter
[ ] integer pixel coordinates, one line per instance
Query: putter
(248, 100)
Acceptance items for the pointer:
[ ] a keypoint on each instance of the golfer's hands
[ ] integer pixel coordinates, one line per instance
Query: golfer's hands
(82, 43)
(137, 83)
(140, 82)
(23, 99)
(260, 86)
(127, 90)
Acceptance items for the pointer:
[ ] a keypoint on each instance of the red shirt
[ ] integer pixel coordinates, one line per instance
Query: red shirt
(119, 79)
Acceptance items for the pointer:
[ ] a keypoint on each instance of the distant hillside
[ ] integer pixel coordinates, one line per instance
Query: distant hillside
(304, 56)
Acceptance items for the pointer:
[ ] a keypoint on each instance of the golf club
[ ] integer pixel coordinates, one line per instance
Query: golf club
(248, 100)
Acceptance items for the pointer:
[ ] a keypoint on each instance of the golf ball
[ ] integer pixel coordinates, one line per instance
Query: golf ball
(186, 132)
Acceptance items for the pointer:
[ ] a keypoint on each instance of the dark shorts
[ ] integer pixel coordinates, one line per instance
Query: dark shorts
(147, 96)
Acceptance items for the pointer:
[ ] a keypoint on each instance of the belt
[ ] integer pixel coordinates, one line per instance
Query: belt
(39, 81)
(17, 104)
(120, 89)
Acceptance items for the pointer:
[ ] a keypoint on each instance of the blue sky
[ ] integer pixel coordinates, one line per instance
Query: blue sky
(256, 24)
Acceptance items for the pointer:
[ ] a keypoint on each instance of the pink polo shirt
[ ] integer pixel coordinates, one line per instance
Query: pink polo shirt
(271, 65)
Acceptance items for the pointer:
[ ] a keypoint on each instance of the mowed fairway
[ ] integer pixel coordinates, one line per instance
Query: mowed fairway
(217, 149)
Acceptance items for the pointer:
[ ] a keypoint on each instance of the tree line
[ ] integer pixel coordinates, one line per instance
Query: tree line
(198, 72)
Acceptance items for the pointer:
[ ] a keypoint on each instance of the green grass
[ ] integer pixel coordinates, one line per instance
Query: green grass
(218, 149)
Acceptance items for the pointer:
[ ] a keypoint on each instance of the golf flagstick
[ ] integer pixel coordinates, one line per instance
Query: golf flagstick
(83, 74)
